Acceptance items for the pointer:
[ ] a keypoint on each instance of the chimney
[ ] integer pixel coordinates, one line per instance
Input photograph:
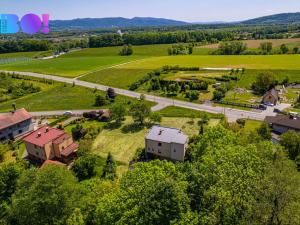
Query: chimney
(160, 132)
(39, 134)
(47, 130)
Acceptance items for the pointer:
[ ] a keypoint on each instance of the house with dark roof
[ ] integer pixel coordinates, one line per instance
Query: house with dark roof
(271, 97)
(15, 124)
(49, 143)
(283, 123)
(166, 143)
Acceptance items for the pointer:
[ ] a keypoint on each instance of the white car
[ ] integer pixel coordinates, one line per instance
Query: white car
(68, 113)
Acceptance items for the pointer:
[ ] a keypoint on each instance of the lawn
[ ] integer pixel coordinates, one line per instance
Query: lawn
(245, 98)
(123, 144)
(252, 125)
(174, 111)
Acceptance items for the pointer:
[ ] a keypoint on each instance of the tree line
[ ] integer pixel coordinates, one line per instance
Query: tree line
(146, 38)
(230, 176)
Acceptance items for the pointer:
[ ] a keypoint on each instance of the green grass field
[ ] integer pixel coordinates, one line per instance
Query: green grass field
(123, 76)
(174, 111)
(125, 144)
(60, 97)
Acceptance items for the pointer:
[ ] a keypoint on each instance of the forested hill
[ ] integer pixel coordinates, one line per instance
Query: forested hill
(90, 23)
(284, 18)
(120, 22)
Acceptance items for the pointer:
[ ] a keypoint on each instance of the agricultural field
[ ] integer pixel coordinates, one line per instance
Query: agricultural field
(58, 96)
(256, 43)
(123, 76)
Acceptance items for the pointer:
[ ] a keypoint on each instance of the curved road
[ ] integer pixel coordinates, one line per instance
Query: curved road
(232, 114)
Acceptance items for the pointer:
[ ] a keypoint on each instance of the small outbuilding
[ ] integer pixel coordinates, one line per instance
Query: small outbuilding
(271, 97)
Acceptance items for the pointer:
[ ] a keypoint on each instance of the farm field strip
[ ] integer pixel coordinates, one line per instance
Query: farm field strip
(256, 43)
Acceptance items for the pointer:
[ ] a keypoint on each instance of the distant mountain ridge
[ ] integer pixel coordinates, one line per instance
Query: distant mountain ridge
(283, 18)
(120, 22)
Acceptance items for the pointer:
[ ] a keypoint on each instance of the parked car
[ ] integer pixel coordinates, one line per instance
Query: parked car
(68, 113)
(269, 104)
(262, 107)
(277, 110)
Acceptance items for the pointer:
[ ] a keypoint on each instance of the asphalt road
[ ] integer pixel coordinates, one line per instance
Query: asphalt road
(232, 114)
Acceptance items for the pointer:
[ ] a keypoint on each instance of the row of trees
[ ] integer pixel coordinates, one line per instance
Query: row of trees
(231, 177)
(31, 45)
(145, 38)
(240, 48)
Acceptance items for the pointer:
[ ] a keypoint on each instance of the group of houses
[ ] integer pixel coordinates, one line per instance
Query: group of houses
(43, 144)
(49, 145)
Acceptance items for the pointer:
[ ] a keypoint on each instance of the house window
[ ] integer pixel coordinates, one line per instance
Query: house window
(35, 146)
(148, 149)
(159, 152)
(174, 150)
(159, 144)
(37, 153)
(20, 131)
(152, 149)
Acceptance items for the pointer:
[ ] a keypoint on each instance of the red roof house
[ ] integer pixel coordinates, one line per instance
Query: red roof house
(49, 143)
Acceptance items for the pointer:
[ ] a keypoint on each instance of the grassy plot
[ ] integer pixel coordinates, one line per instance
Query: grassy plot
(67, 66)
(61, 97)
(123, 143)
(174, 111)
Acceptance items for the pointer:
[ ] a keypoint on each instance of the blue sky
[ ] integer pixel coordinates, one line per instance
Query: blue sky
(187, 10)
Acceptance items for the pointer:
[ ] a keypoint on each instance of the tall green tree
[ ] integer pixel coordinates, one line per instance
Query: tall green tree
(45, 196)
(291, 142)
(118, 111)
(140, 111)
(264, 82)
(151, 193)
(109, 171)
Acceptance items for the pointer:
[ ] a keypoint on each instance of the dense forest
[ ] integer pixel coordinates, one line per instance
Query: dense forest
(230, 177)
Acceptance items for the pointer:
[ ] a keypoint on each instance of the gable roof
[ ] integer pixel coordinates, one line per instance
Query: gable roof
(283, 120)
(13, 118)
(166, 135)
(272, 92)
(41, 136)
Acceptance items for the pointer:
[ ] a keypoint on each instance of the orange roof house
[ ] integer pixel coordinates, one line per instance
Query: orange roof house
(49, 143)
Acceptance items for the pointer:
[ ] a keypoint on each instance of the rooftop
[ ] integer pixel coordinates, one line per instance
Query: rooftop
(70, 149)
(43, 135)
(284, 120)
(14, 117)
(166, 135)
